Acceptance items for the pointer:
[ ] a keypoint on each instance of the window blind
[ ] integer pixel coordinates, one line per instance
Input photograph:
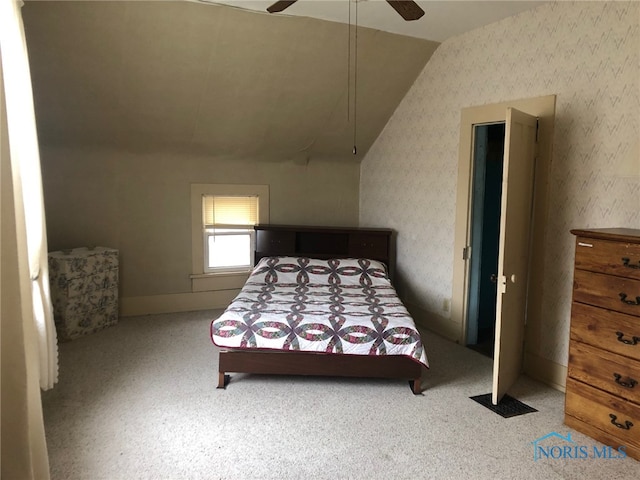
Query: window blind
(220, 211)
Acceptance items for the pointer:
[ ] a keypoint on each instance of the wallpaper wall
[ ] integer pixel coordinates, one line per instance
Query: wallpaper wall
(586, 53)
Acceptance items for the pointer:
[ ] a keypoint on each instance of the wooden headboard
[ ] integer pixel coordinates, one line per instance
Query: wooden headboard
(323, 242)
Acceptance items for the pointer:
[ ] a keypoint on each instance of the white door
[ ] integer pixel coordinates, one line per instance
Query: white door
(513, 254)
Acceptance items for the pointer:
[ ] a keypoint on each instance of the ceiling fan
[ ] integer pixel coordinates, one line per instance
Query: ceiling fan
(408, 9)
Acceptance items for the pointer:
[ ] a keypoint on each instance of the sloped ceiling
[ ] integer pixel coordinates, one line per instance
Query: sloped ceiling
(213, 79)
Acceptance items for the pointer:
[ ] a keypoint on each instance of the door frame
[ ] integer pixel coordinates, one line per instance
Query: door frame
(544, 109)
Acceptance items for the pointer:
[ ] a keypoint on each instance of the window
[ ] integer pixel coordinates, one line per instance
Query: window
(222, 219)
(228, 232)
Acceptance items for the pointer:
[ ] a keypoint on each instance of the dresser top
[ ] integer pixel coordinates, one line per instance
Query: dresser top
(631, 235)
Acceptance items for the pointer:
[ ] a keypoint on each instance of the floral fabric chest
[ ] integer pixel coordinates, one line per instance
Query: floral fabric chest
(84, 290)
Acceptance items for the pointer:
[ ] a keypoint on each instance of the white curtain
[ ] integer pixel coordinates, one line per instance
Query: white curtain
(27, 179)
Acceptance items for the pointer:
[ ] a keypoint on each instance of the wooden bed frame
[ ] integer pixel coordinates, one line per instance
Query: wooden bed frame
(321, 242)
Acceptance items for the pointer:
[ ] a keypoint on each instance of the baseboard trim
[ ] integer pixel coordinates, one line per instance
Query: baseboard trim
(545, 371)
(445, 327)
(175, 302)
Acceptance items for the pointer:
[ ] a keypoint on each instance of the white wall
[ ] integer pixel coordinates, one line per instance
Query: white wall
(140, 203)
(586, 53)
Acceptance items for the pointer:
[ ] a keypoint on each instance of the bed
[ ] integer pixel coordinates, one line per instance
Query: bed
(322, 312)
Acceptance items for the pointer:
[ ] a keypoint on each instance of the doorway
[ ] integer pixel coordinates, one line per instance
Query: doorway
(516, 347)
(514, 245)
(486, 194)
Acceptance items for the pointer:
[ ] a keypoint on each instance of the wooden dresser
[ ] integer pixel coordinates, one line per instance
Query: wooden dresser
(603, 384)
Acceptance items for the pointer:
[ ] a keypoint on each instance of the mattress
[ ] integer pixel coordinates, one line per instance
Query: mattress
(335, 306)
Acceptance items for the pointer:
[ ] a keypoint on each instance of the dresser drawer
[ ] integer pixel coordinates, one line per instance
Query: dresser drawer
(606, 291)
(605, 412)
(615, 258)
(610, 440)
(605, 370)
(613, 331)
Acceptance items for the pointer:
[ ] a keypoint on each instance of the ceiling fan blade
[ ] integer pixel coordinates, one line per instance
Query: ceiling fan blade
(280, 6)
(408, 9)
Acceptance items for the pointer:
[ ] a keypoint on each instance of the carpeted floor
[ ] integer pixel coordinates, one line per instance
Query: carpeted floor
(138, 401)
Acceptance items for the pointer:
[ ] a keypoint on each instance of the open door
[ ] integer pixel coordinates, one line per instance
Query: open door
(514, 248)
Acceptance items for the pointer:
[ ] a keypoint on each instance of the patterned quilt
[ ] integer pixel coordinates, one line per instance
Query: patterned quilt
(343, 306)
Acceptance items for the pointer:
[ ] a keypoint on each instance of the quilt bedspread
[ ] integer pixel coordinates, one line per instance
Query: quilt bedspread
(343, 306)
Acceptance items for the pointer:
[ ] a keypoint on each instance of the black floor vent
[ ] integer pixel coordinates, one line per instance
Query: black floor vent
(507, 407)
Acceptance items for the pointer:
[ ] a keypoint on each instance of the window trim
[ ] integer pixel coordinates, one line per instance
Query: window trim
(201, 280)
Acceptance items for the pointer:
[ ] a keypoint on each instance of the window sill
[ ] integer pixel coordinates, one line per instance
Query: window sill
(205, 282)
(221, 273)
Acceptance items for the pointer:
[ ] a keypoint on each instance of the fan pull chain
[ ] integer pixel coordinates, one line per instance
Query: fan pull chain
(349, 64)
(355, 85)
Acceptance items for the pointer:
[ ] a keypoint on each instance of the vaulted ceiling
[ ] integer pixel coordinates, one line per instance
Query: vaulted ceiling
(212, 79)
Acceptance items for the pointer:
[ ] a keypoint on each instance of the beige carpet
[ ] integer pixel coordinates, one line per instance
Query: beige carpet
(138, 401)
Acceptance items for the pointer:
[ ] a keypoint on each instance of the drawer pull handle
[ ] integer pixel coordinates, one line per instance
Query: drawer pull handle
(626, 426)
(633, 341)
(623, 299)
(626, 262)
(629, 384)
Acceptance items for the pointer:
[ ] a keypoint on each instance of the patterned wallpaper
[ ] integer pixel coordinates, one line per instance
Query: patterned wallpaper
(586, 53)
